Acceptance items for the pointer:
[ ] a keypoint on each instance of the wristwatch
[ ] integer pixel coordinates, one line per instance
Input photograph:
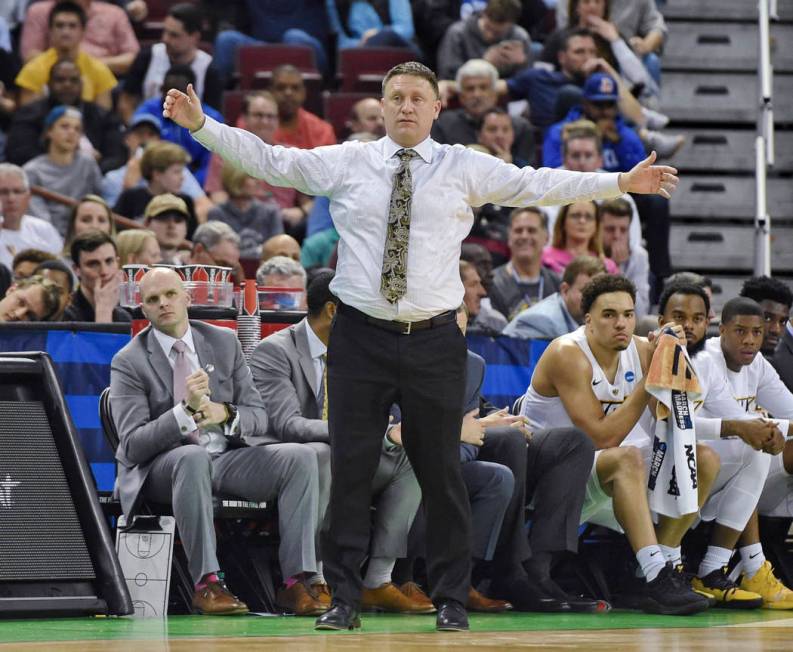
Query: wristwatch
(231, 413)
(188, 409)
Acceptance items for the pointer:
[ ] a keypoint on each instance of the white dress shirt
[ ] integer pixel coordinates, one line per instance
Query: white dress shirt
(317, 349)
(358, 178)
(212, 438)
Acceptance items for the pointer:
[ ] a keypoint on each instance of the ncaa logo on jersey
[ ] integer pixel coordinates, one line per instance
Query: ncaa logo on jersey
(630, 376)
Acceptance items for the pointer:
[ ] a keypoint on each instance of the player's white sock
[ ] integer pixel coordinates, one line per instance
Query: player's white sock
(753, 559)
(714, 559)
(652, 560)
(672, 555)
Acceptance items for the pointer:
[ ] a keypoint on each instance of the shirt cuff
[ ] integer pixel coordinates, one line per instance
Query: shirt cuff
(209, 134)
(185, 421)
(388, 445)
(609, 185)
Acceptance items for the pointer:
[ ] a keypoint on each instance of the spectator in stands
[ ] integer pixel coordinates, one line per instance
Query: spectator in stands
(18, 229)
(491, 35)
(180, 76)
(281, 245)
(372, 24)
(142, 130)
(621, 145)
(102, 129)
(303, 22)
(64, 169)
(775, 298)
(282, 272)
(181, 36)
(296, 126)
(27, 261)
(31, 299)
(582, 151)
(476, 88)
(138, 247)
(167, 215)
(108, 33)
(297, 405)
(260, 117)
(491, 322)
(639, 21)
(611, 46)
(96, 263)
(216, 243)
(252, 220)
(495, 133)
(162, 166)
(578, 231)
(201, 434)
(57, 272)
(523, 281)
(66, 23)
(560, 313)
(366, 117)
(633, 261)
(90, 213)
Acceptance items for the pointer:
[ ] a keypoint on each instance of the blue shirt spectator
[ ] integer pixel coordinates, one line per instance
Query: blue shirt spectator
(352, 22)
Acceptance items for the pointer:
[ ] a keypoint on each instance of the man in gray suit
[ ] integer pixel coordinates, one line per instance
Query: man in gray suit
(560, 313)
(289, 371)
(191, 424)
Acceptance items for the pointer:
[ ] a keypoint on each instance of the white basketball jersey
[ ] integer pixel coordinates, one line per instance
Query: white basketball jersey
(549, 412)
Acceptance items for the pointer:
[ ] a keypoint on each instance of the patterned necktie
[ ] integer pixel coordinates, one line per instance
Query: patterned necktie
(323, 391)
(181, 370)
(393, 282)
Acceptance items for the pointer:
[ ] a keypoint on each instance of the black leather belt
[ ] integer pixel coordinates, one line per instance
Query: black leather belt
(402, 327)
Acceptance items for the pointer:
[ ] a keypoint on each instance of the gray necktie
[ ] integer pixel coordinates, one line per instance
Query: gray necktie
(181, 370)
(393, 282)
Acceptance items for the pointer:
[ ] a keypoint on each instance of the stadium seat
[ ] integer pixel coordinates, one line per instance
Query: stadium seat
(362, 69)
(720, 9)
(720, 197)
(724, 46)
(728, 150)
(232, 106)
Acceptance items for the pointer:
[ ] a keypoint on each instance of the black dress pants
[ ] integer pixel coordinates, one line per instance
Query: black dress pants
(370, 369)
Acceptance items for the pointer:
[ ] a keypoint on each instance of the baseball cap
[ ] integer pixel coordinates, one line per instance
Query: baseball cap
(600, 87)
(166, 203)
(145, 119)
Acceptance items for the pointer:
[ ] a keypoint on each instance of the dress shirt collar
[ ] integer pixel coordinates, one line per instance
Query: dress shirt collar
(167, 342)
(315, 345)
(423, 149)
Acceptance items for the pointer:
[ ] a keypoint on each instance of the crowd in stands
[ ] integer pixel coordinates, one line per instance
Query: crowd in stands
(94, 178)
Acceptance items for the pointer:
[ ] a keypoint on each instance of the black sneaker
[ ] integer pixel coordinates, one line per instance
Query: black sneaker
(688, 578)
(726, 592)
(670, 595)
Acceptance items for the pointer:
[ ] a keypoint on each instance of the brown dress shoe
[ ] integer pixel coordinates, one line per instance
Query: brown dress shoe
(389, 598)
(215, 599)
(321, 593)
(299, 600)
(414, 592)
(478, 602)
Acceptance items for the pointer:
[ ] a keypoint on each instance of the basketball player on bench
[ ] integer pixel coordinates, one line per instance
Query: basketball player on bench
(593, 378)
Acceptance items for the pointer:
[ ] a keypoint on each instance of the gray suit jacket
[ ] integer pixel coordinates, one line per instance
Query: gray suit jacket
(141, 400)
(284, 374)
(783, 359)
(545, 320)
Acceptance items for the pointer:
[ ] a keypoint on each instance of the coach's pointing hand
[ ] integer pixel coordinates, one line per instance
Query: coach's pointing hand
(184, 109)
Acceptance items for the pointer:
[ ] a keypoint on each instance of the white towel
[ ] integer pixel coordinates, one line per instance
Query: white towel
(672, 482)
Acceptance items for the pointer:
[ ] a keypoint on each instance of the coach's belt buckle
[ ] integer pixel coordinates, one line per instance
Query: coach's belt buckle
(408, 325)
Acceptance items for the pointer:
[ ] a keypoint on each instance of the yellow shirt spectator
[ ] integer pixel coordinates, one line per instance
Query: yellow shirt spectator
(96, 76)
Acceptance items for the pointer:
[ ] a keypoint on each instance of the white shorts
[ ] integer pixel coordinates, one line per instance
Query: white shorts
(598, 505)
(777, 496)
